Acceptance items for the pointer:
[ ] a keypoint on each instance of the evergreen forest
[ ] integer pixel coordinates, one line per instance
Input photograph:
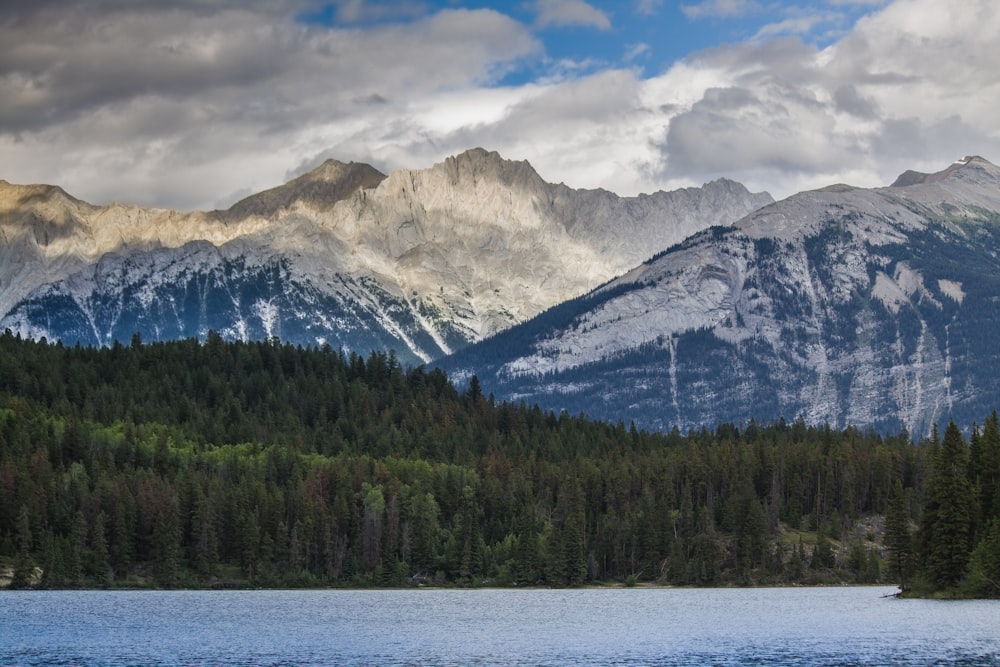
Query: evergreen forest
(261, 464)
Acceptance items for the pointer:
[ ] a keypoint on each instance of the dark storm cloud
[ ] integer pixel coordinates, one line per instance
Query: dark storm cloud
(64, 60)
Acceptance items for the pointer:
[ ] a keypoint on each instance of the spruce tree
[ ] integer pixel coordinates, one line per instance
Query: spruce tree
(574, 540)
(22, 565)
(984, 470)
(100, 567)
(984, 575)
(167, 534)
(898, 540)
(822, 556)
(948, 516)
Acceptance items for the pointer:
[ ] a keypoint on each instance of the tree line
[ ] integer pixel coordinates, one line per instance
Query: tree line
(210, 463)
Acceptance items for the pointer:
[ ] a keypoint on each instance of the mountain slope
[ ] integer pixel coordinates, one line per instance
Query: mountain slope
(850, 306)
(421, 261)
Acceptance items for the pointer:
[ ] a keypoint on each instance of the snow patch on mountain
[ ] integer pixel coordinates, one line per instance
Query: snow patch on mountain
(437, 258)
(951, 289)
(839, 305)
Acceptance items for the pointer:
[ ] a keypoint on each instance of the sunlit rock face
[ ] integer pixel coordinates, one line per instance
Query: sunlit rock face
(843, 305)
(420, 262)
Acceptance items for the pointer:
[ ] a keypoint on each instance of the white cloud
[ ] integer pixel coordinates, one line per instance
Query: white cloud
(799, 25)
(562, 13)
(188, 104)
(860, 3)
(634, 51)
(720, 9)
(648, 7)
(908, 87)
(357, 11)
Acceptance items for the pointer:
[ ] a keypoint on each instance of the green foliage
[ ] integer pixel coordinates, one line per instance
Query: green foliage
(947, 520)
(898, 539)
(984, 570)
(261, 464)
(984, 472)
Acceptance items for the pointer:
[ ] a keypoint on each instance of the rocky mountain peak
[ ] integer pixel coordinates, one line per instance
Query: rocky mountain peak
(967, 167)
(478, 164)
(841, 305)
(34, 197)
(43, 213)
(968, 189)
(335, 171)
(319, 188)
(421, 261)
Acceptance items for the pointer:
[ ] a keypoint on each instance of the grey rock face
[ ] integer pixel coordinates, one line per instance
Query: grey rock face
(422, 262)
(847, 306)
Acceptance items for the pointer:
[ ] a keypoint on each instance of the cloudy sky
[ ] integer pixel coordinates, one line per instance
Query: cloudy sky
(193, 104)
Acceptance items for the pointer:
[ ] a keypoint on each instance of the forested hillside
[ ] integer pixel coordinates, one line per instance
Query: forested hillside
(262, 464)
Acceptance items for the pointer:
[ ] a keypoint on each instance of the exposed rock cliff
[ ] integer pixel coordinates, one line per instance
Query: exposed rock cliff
(850, 306)
(421, 261)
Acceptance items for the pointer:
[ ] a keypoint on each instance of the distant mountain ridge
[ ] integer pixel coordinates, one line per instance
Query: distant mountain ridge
(851, 306)
(419, 261)
(842, 305)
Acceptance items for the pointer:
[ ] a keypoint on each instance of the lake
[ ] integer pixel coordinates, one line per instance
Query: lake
(787, 626)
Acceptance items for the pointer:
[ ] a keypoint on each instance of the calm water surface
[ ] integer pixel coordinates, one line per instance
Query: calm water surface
(642, 627)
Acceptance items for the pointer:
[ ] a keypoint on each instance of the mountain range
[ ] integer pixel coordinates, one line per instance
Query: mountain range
(868, 307)
(422, 262)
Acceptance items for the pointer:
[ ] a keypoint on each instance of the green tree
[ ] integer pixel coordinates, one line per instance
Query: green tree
(984, 570)
(121, 538)
(574, 539)
(22, 565)
(526, 558)
(78, 550)
(371, 526)
(167, 536)
(706, 554)
(99, 566)
(796, 566)
(898, 539)
(206, 539)
(947, 514)
(984, 470)
(248, 542)
(750, 541)
(424, 524)
(822, 555)
(465, 554)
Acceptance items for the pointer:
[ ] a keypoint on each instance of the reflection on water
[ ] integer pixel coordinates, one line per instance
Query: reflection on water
(787, 626)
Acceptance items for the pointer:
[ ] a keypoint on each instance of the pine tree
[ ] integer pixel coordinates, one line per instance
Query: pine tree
(371, 526)
(574, 540)
(822, 555)
(78, 550)
(984, 575)
(54, 568)
(167, 536)
(206, 540)
(984, 470)
(947, 515)
(796, 567)
(898, 540)
(424, 529)
(22, 565)
(553, 556)
(526, 570)
(677, 574)
(100, 567)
